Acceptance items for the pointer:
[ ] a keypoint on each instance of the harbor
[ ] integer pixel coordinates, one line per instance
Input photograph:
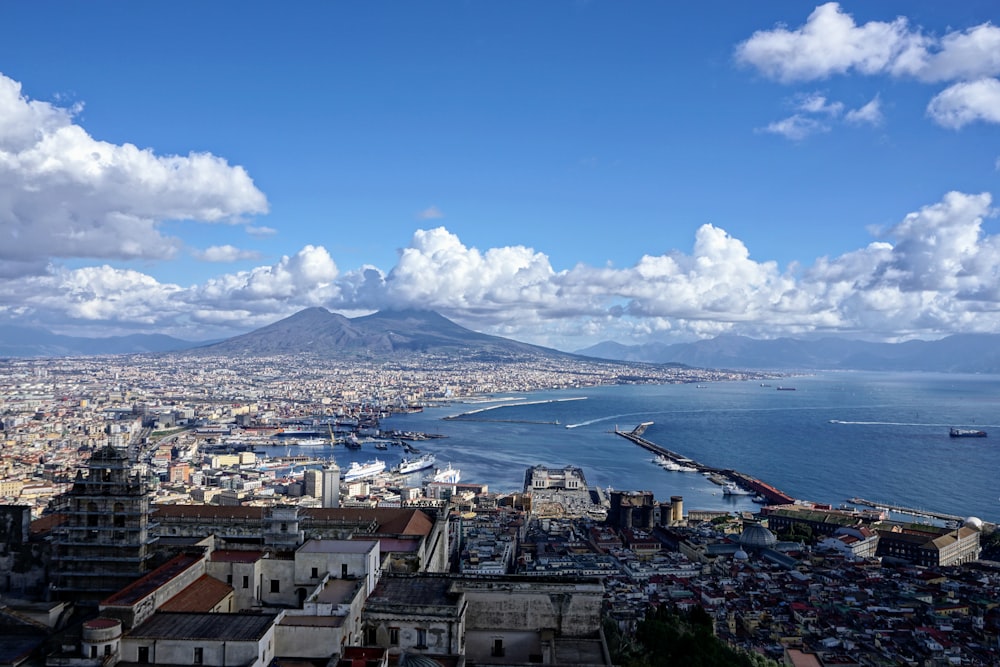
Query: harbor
(721, 476)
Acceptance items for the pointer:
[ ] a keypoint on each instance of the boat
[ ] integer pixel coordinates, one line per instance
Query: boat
(408, 465)
(311, 442)
(364, 470)
(381, 445)
(733, 489)
(447, 475)
(786, 388)
(966, 433)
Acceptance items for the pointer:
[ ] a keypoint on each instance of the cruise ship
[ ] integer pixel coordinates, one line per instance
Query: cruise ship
(407, 465)
(363, 470)
(447, 475)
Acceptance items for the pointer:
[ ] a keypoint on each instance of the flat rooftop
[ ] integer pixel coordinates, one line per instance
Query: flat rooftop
(338, 546)
(213, 627)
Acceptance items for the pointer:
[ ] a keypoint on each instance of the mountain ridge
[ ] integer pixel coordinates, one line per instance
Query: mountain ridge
(958, 353)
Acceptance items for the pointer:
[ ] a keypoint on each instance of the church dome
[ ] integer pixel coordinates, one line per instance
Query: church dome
(756, 536)
(975, 523)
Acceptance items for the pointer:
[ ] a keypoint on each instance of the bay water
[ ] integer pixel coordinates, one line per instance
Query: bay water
(837, 435)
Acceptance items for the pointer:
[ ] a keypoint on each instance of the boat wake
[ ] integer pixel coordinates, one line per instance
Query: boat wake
(515, 405)
(860, 423)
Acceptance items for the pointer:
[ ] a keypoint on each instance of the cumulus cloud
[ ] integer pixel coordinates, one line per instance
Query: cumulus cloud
(225, 253)
(932, 273)
(66, 194)
(967, 102)
(831, 42)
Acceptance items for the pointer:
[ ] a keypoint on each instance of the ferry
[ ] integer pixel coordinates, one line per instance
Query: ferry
(407, 465)
(447, 475)
(364, 470)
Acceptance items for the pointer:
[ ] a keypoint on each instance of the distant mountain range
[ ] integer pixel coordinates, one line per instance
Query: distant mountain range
(18, 341)
(398, 333)
(385, 334)
(960, 353)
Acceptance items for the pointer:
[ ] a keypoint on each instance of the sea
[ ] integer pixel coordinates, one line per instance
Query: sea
(828, 437)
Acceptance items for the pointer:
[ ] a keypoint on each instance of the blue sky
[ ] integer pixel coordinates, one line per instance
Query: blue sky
(557, 172)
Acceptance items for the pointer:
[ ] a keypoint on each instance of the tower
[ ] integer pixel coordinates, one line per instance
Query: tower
(331, 485)
(105, 540)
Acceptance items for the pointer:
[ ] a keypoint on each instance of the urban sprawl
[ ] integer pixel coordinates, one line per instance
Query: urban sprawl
(143, 523)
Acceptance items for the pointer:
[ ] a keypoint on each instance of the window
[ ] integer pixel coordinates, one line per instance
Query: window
(199, 655)
(343, 571)
(497, 651)
(394, 636)
(93, 651)
(315, 573)
(421, 638)
(144, 654)
(275, 585)
(229, 579)
(246, 581)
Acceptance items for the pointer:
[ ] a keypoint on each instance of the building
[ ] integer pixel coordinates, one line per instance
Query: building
(569, 478)
(106, 538)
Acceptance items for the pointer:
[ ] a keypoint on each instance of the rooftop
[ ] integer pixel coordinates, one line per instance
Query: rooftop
(213, 627)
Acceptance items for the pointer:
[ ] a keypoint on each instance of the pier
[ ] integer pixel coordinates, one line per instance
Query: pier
(773, 495)
(907, 510)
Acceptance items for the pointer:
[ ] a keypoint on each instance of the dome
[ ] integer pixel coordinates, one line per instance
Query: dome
(741, 555)
(756, 536)
(974, 522)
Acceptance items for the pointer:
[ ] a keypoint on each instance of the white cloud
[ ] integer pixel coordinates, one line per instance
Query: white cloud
(226, 253)
(815, 103)
(966, 102)
(868, 114)
(830, 42)
(430, 213)
(815, 113)
(796, 127)
(932, 273)
(65, 194)
(260, 230)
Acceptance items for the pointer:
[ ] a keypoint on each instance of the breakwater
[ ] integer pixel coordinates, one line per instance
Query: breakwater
(770, 493)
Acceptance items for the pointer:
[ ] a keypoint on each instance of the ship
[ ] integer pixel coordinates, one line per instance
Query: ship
(408, 465)
(447, 475)
(966, 433)
(364, 470)
(732, 489)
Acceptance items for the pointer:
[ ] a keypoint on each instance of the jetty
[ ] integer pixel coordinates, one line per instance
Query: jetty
(907, 510)
(770, 493)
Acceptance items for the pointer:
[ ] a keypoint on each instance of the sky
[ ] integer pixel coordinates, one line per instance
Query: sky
(562, 173)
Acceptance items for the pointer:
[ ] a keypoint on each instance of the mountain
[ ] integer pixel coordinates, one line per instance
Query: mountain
(960, 353)
(388, 333)
(19, 341)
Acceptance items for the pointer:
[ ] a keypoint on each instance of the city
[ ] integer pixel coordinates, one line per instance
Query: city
(130, 497)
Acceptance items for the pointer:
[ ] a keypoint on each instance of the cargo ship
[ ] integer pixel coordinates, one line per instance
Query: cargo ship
(966, 433)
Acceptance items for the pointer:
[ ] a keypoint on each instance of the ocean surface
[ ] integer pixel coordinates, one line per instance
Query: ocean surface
(880, 436)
